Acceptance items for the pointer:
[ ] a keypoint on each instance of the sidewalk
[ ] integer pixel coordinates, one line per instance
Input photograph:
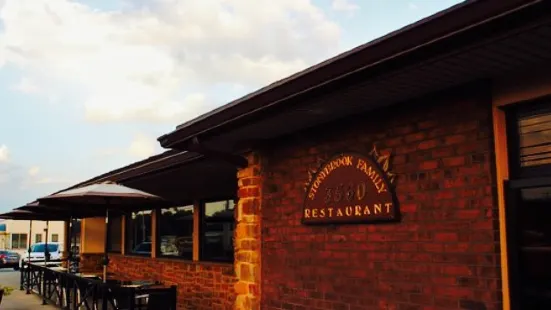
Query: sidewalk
(18, 300)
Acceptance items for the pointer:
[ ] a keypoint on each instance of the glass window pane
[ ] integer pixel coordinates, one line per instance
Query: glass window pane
(115, 234)
(75, 237)
(39, 248)
(38, 238)
(217, 231)
(176, 232)
(535, 139)
(533, 212)
(15, 241)
(19, 241)
(55, 238)
(139, 233)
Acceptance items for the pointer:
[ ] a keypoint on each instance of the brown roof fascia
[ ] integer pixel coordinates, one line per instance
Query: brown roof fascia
(160, 162)
(440, 25)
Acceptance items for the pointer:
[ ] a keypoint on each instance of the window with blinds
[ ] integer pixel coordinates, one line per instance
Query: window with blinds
(535, 139)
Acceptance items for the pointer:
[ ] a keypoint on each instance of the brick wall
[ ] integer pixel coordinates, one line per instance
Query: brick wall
(91, 262)
(201, 285)
(444, 254)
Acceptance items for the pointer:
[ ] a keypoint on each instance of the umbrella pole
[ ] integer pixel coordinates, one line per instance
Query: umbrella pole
(106, 246)
(69, 245)
(46, 252)
(30, 240)
(74, 243)
(29, 257)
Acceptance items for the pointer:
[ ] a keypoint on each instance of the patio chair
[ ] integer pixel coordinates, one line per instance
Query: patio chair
(158, 301)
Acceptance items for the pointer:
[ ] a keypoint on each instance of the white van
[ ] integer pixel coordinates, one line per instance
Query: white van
(37, 252)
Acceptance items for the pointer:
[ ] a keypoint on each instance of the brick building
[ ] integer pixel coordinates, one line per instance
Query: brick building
(457, 106)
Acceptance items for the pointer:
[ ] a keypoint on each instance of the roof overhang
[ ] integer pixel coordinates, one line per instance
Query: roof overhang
(178, 176)
(471, 41)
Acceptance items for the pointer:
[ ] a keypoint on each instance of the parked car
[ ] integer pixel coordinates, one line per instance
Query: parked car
(9, 259)
(37, 252)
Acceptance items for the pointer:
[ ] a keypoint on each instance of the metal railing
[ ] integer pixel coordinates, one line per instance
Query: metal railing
(76, 292)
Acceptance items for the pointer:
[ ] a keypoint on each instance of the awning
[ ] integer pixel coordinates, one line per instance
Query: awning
(181, 177)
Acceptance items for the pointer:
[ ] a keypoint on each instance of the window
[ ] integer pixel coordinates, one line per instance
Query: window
(38, 238)
(217, 231)
(39, 248)
(115, 234)
(138, 227)
(176, 232)
(19, 241)
(528, 200)
(55, 238)
(530, 134)
(75, 238)
(535, 139)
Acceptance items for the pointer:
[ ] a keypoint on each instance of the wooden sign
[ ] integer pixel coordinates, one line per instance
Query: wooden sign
(351, 188)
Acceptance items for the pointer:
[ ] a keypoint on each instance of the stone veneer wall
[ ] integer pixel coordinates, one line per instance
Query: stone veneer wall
(201, 285)
(444, 254)
(247, 236)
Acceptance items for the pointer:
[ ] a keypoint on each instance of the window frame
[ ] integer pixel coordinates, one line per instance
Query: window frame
(127, 250)
(25, 246)
(512, 114)
(123, 244)
(520, 178)
(36, 238)
(202, 224)
(52, 237)
(158, 253)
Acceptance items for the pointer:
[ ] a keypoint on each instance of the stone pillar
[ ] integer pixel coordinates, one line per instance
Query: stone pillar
(247, 235)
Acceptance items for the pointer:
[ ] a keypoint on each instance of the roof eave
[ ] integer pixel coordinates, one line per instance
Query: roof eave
(397, 44)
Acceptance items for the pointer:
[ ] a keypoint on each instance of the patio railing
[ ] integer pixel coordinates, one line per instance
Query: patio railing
(79, 291)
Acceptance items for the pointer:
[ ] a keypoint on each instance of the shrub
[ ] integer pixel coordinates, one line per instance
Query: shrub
(7, 289)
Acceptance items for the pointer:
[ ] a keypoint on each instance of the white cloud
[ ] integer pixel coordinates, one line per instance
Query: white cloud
(33, 171)
(4, 154)
(36, 177)
(143, 146)
(26, 85)
(344, 5)
(20, 184)
(51, 180)
(159, 61)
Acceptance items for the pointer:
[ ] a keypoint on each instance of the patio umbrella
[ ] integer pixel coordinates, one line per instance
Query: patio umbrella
(33, 216)
(38, 208)
(18, 214)
(106, 196)
(71, 214)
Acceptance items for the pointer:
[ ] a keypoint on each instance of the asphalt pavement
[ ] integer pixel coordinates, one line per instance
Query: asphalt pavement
(18, 300)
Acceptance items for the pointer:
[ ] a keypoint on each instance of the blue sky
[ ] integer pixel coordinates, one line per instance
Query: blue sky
(87, 86)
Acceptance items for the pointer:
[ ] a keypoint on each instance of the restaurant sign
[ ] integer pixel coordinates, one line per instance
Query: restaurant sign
(351, 188)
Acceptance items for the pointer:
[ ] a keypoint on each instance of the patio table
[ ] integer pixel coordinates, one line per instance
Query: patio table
(87, 291)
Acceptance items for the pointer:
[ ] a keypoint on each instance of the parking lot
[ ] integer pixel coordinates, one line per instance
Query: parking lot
(18, 300)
